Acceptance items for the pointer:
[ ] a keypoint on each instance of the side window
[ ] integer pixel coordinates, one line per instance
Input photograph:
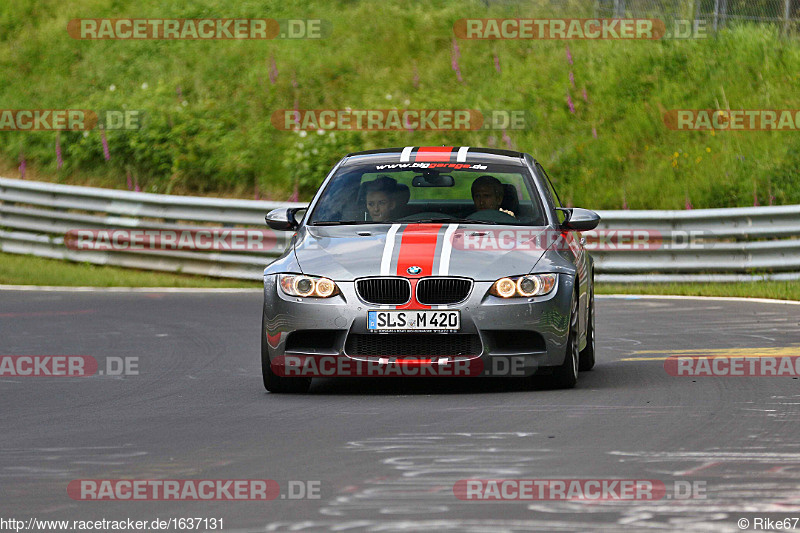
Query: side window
(551, 192)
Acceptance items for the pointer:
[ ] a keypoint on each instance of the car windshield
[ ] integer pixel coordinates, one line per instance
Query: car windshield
(392, 193)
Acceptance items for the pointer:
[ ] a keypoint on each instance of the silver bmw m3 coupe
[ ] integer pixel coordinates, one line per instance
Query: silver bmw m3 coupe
(430, 261)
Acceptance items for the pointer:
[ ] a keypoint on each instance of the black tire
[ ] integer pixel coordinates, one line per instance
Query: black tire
(565, 376)
(587, 354)
(274, 382)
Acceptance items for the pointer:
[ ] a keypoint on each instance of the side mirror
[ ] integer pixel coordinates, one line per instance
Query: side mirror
(282, 219)
(579, 219)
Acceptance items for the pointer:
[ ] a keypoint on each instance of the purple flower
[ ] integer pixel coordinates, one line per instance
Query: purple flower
(570, 104)
(273, 70)
(22, 166)
(295, 193)
(136, 184)
(507, 139)
(294, 80)
(497, 63)
(106, 153)
(454, 61)
(256, 194)
(688, 204)
(585, 96)
(59, 160)
(572, 79)
(130, 183)
(624, 202)
(569, 55)
(491, 141)
(594, 132)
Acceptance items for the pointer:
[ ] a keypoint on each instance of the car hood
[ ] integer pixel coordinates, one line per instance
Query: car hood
(480, 252)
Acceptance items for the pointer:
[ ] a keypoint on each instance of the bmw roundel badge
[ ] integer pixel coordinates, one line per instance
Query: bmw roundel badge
(413, 270)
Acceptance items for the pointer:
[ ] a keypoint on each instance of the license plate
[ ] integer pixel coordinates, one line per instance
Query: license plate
(428, 320)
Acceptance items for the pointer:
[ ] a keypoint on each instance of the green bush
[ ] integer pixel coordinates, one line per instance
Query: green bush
(209, 104)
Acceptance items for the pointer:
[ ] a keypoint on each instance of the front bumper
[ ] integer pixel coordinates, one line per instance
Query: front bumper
(516, 336)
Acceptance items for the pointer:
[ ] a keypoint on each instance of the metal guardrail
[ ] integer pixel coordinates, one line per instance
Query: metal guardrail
(733, 244)
(35, 216)
(740, 244)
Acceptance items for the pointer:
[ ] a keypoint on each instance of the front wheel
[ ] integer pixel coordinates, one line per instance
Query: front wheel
(566, 375)
(274, 382)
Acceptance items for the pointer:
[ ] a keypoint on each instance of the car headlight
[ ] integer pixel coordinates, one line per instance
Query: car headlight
(524, 286)
(307, 286)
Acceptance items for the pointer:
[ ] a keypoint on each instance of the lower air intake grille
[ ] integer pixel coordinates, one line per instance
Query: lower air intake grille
(413, 344)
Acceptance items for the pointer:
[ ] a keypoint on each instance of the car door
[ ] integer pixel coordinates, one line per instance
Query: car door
(576, 250)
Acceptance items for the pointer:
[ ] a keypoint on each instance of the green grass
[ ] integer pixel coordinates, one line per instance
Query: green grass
(778, 290)
(209, 103)
(29, 270)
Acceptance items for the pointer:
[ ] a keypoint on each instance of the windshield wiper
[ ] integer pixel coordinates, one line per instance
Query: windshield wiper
(450, 220)
(427, 220)
(472, 221)
(345, 222)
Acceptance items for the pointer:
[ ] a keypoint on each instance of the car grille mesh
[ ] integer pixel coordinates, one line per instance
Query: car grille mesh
(439, 291)
(412, 344)
(383, 291)
(430, 291)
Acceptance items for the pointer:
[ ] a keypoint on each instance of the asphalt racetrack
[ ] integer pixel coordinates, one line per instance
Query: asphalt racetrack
(384, 454)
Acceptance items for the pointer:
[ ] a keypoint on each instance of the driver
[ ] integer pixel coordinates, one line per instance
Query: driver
(381, 198)
(487, 194)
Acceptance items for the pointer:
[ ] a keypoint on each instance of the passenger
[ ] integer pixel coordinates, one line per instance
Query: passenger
(381, 198)
(487, 194)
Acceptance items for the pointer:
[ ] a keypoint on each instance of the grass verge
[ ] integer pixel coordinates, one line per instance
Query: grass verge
(29, 270)
(778, 290)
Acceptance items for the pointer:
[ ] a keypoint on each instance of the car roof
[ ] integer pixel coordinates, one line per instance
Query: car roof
(452, 154)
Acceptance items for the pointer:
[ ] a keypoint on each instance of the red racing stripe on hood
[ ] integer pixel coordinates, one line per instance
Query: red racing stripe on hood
(417, 248)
